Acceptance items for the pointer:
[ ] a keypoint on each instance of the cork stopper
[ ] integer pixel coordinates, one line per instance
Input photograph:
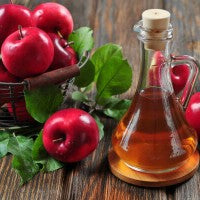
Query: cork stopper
(157, 21)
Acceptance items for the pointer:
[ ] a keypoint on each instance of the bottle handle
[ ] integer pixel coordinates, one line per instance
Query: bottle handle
(194, 70)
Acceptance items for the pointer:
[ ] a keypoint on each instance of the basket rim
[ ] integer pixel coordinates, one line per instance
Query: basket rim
(81, 63)
(13, 84)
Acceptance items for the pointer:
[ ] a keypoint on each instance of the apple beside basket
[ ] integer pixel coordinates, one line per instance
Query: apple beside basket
(13, 92)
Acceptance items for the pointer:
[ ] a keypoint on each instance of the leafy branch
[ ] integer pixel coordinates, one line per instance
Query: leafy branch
(105, 75)
(109, 75)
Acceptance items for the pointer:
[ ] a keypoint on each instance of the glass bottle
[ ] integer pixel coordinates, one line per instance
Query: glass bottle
(153, 136)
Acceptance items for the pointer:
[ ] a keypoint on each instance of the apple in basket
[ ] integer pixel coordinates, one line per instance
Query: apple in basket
(64, 55)
(53, 17)
(12, 15)
(27, 52)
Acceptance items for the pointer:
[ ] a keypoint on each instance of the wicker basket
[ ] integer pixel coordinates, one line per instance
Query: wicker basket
(13, 109)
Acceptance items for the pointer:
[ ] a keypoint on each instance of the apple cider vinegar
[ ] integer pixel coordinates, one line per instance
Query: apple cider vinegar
(153, 145)
(154, 136)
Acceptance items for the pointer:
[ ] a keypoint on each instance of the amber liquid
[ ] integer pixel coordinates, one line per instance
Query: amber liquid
(154, 136)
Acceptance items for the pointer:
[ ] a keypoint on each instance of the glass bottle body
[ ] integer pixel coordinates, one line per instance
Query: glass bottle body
(153, 136)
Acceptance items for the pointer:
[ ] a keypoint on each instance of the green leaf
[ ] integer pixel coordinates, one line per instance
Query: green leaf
(117, 103)
(83, 40)
(108, 102)
(103, 55)
(100, 126)
(4, 140)
(86, 76)
(18, 144)
(41, 156)
(114, 79)
(39, 153)
(117, 108)
(79, 96)
(51, 165)
(26, 170)
(43, 102)
(21, 148)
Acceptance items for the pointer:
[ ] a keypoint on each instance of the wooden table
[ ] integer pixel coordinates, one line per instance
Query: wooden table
(112, 21)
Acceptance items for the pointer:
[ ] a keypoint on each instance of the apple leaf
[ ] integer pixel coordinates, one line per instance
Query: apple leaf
(116, 108)
(108, 103)
(114, 79)
(51, 165)
(4, 140)
(38, 151)
(83, 40)
(103, 55)
(43, 102)
(86, 76)
(79, 96)
(21, 148)
(41, 156)
(100, 126)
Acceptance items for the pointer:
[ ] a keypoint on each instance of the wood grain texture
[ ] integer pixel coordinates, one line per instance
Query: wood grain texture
(112, 21)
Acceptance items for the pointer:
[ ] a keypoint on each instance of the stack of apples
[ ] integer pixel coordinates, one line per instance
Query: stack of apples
(32, 42)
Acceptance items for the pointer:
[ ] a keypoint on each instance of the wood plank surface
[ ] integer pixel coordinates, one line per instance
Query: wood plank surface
(112, 21)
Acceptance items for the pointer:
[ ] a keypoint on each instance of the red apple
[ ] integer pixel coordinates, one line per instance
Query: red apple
(179, 77)
(179, 73)
(11, 16)
(155, 69)
(6, 77)
(53, 17)
(21, 112)
(64, 55)
(192, 113)
(70, 135)
(28, 52)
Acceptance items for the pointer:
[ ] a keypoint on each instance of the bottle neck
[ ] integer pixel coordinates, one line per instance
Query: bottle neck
(155, 49)
(153, 64)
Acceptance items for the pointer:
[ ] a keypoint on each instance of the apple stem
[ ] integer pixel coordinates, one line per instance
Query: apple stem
(11, 2)
(69, 43)
(92, 110)
(20, 31)
(58, 140)
(60, 34)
